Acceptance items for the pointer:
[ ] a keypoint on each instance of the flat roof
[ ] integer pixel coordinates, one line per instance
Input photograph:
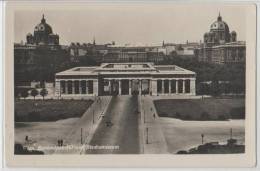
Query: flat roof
(126, 68)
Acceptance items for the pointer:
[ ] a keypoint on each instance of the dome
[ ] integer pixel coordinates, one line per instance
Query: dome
(43, 27)
(233, 32)
(210, 33)
(219, 25)
(206, 34)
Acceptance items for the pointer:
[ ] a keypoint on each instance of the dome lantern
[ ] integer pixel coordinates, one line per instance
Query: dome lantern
(219, 17)
(43, 19)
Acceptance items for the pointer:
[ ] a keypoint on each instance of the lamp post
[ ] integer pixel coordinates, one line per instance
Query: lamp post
(93, 115)
(147, 135)
(144, 115)
(143, 109)
(81, 139)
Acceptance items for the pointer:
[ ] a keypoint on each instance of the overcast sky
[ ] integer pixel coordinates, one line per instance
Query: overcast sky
(134, 24)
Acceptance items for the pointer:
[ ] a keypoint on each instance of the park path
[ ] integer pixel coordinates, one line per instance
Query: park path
(153, 138)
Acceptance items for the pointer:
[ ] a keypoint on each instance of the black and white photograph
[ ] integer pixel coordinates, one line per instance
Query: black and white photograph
(131, 79)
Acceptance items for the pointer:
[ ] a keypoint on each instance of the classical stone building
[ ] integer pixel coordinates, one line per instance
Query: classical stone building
(221, 46)
(125, 79)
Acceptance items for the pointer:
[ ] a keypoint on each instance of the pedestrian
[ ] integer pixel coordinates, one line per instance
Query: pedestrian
(26, 138)
(61, 142)
(154, 116)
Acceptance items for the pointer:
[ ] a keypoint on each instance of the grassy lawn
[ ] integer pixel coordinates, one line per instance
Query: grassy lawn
(201, 109)
(49, 110)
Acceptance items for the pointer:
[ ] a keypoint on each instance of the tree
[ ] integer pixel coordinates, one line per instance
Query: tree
(34, 93)
(43, 93)
(215, 91)
(24, 94)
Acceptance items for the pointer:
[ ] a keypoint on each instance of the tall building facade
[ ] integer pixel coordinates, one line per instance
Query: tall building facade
(220, 45)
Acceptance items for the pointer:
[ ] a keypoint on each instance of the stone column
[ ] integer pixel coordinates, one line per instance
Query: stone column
(140, 86)
(95, 87)
(149, 86)
(154, 87)
(110, 87)
(66, 87)
(193, 86)
(57, 88)
(170, 86)
(183, 86)
(73, 87)
(87, 86)
(162, 86)
(119, 87)
(80, 89)
(130, 87)
(177, 86)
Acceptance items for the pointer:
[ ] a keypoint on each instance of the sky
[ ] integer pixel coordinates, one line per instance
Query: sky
(132, 24)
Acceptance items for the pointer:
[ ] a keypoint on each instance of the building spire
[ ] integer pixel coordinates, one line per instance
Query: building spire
(43, 19)
(94, 41)
(219, 16)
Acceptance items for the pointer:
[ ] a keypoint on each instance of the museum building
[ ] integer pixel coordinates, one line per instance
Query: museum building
(221, 46)
(125, 79)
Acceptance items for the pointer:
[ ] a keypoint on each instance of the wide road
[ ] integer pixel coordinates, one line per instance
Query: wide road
(123, 130)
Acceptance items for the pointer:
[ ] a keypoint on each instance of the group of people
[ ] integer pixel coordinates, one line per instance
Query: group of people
(60, 142)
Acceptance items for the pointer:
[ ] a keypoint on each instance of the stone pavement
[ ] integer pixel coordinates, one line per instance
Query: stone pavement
(152, 135)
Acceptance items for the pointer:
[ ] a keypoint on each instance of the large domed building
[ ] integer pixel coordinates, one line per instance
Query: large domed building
(220, 45)
(43, 35)
(219, 33)
(40, 57)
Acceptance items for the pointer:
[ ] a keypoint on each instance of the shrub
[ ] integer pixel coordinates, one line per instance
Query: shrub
(204, 116)
(237, 113)
(187, 117)
(24, 94)
(164, 114)
(34, 116)
(177, 115)
(222, 117)
(182, 152)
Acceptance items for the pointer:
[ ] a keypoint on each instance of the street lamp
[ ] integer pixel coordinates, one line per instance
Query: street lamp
(93, 115)
(144, 115)
(147, 135)
(202, 136)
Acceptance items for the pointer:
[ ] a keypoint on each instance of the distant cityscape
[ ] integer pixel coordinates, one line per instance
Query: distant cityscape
(41, 56)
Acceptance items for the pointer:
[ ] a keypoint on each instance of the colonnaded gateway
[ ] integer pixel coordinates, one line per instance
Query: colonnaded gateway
(125, 79)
